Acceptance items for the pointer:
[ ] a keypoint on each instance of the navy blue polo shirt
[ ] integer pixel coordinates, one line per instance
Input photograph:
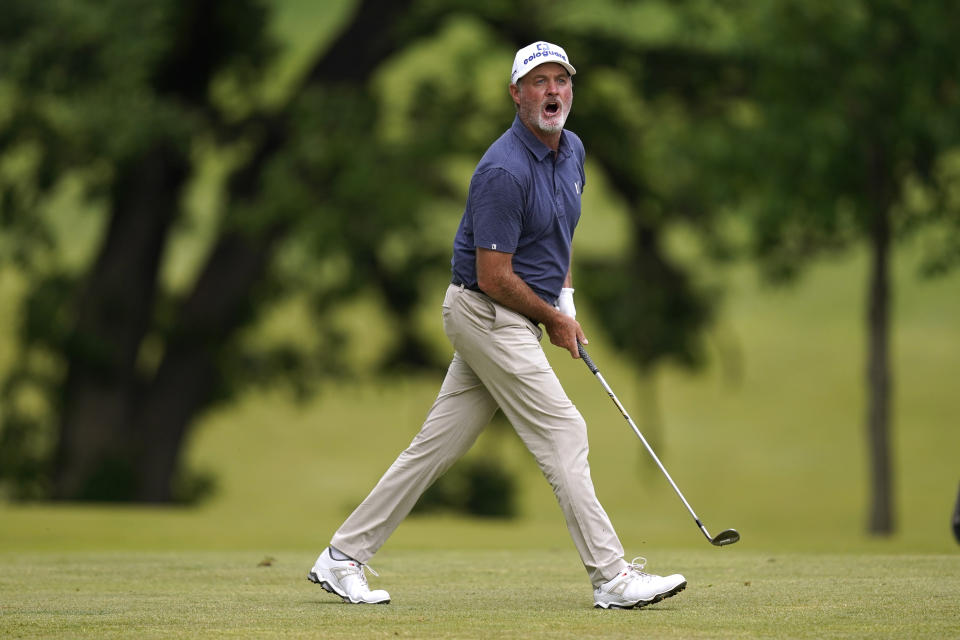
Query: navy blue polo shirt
(525, 201)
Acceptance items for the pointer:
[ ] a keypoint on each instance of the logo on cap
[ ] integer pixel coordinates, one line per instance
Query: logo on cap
(543, 51)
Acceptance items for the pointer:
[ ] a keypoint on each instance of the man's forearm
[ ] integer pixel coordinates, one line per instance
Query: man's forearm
(512, 292)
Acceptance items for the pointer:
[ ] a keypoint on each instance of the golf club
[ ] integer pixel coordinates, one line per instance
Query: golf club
(728, 536)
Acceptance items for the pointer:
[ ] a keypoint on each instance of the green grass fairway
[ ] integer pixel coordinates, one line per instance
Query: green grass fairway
(474, 594)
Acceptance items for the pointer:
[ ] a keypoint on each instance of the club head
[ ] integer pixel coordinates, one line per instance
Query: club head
(725, 537)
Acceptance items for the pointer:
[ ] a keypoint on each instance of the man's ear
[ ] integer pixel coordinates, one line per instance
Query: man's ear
(515, 93)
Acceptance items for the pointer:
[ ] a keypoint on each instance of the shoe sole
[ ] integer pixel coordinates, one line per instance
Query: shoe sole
(326, 586)
(644, 603)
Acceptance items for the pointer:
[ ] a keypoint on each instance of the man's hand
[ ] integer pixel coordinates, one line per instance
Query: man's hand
(564, 332)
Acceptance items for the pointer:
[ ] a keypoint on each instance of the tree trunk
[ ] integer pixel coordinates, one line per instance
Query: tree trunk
(113, 315)
(188, 375)
(878, 379)
(650, 420)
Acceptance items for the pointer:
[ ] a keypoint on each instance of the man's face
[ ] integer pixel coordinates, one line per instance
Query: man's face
(544, 97)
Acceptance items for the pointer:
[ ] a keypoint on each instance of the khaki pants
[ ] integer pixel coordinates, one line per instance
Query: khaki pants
(498, 363)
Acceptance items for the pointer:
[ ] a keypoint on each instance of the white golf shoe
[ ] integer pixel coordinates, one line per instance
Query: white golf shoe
(633, 588)
(347, 579)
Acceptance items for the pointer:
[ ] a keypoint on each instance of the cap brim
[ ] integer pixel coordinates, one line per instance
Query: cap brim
(565, 65)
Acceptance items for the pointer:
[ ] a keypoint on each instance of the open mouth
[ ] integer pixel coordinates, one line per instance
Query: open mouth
(551, 108)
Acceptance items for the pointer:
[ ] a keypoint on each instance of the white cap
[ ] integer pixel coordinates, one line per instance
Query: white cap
(533, 55)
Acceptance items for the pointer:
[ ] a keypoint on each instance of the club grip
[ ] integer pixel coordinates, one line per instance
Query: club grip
(586, 359)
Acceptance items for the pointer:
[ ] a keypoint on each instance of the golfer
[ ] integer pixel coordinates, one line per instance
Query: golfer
(511, 274)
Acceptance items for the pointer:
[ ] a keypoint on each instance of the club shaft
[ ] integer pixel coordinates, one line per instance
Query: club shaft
(593, 368)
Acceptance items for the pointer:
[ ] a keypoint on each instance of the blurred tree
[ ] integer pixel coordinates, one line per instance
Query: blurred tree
(118, 106)
(851, 135)
(110, 99)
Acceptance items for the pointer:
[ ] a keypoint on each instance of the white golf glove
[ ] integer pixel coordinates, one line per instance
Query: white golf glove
(565, 303)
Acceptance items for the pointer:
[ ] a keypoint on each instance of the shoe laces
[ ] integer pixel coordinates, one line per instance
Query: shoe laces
(636, 567)
(362, 575)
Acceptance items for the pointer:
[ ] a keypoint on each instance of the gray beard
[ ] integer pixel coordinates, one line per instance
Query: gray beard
(551, 128)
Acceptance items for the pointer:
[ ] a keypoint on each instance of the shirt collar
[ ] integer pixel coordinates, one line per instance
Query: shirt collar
(539, 150)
